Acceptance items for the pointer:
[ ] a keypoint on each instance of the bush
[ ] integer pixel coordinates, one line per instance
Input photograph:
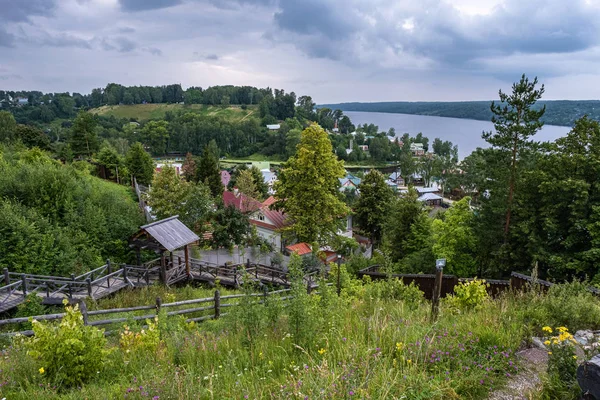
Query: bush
(146, 340)
(70, 352)
(567, 304)
(562, 364)
(394, 289)
(468, 295)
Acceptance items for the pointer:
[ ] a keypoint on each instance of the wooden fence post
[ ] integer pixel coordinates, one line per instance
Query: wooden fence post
(265, 294)
(24, 280)
(163, 268)
(158, 304)
(47, 289)
(437, 289)
(188, 267)
(89, 286)
(84, 312)
(309, 285)
(235, 278)
(6, 277)
(109, 271)
(217, 304)
(125, 274)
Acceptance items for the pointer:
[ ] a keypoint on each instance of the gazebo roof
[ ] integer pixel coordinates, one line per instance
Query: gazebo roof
(170, 233)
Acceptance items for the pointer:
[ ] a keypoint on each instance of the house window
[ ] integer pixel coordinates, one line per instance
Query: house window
(261, 217)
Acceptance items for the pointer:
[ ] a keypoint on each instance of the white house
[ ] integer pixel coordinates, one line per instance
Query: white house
(269, 178)
(273, 127)
(268, 223)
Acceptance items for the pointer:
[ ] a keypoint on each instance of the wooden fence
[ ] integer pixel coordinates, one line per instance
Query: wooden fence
(426, 282)
(201, 310)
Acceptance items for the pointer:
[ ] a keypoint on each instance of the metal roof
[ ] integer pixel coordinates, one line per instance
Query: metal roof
(430, 196)
(171, 233)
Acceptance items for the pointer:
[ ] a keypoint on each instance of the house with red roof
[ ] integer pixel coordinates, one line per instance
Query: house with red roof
(240, 201)
(269, 223)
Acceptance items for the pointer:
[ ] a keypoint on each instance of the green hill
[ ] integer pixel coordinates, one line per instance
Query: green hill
(558, 112)
(143, 112)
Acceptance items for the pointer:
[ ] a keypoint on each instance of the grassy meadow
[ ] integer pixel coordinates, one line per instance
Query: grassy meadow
(144, 112)
(375, 341)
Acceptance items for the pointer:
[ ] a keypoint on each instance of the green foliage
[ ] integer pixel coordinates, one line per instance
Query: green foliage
(407, 231)
(373, 206)
(58, 220)
(455, 240)
(69, 353)
(140, 164)
(567, 304)
(8, 127)
(155, 134)
(230, 227)
(84, 139)
(208, 171)
(144, 341)
(170, 195)
(394, 288)
(307, 189)
(468, 295)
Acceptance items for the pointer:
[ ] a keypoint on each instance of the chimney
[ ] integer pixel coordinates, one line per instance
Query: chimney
(236, 192)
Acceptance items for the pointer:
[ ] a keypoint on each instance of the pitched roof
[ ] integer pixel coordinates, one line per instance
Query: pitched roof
(268, 202)
(277, 217)
(429, 197)
(299, 248)
(423, 190)
(241, 202)
(171, 233)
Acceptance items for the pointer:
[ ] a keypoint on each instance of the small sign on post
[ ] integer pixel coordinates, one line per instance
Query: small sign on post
(437, 287)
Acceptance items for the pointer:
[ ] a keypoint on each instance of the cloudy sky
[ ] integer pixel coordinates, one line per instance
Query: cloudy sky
(334, 50)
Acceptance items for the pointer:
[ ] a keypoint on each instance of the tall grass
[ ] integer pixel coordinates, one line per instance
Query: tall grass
(372, 342)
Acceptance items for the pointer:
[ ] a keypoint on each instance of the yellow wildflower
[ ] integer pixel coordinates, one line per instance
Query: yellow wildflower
(562, 329)
(394, 362)
(321, 351)
(547, 329)
(547, 342)
(574, 357)
(550, 353)
(409, 361)
(42, 370)
(399, 346)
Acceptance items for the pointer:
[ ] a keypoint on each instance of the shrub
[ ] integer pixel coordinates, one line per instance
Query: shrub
(146, 340)
(468, 295)
(30, 307)
(567, 304)
(395, 289)
(70, 352)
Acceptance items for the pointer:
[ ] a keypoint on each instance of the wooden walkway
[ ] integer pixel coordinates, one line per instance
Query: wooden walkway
(111, 278)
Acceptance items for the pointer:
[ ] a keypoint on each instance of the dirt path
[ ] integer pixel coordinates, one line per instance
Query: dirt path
(527, 384)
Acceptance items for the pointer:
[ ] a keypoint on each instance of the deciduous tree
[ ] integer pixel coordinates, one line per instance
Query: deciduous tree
(308, 188)
(373, 205)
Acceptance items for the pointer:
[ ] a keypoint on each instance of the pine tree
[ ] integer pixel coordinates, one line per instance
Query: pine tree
(140, 164)
(208, 171)
(515, 121)
(84, 140)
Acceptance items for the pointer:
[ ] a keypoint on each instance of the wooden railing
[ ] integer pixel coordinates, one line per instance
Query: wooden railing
(212, 310)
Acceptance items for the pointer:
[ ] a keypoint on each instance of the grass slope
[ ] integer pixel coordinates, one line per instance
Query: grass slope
(144, 112)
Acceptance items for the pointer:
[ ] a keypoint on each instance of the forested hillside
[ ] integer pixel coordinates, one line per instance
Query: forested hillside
(57, 219)
(558, 112)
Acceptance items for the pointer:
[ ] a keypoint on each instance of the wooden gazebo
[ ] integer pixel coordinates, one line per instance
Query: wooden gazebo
(166, 237)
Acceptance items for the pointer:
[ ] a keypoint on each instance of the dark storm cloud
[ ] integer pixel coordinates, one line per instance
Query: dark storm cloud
(143, 5)
(21, 10)
(310, 17)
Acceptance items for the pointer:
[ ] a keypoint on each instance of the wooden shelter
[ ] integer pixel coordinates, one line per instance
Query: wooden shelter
(166, 236)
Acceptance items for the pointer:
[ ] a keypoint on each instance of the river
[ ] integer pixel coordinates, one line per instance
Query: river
(466, 133)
